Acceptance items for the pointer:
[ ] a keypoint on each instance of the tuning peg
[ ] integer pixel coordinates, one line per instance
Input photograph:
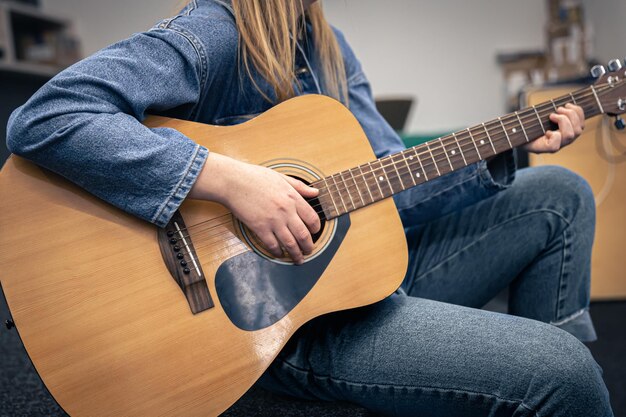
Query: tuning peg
(598, 71)
(615, 65)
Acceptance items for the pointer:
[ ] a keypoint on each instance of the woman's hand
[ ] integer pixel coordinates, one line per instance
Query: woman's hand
(271, 204)
(571, 122)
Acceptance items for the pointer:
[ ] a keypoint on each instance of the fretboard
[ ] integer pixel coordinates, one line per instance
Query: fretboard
(366, 184)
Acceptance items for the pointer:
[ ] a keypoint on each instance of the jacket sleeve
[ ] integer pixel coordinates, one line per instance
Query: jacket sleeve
(85, 123)
(440, 196)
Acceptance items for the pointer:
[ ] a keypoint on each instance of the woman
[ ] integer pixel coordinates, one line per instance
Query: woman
(426, 350)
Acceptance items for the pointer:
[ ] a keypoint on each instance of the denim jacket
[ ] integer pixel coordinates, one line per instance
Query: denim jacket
(85, 123)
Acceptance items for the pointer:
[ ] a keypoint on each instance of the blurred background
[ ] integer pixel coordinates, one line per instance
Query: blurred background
(435, 67)
(443, 52)
(456, 58)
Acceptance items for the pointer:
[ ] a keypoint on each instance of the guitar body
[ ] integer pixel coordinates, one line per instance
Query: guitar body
(106, 324)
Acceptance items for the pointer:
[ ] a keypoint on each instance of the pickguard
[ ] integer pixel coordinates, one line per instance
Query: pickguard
(255, 292)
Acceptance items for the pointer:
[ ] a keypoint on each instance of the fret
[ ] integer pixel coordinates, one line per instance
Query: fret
(385, 177)
(332, 177)
(597, 99)
(332, 200)
(395, 167)
(471, 150)
(590, 107)
(347, 189)
(460, 149)
(420, 161)
(490, 141)
(405, 170)
(358, 187)
(408, 167)
(380, 190)
(384, 166)
(539, 118)
(445, 151)
(454, 151)
(553, 104)
(472, 137)
(389, 173)
(378, 179)
(367, 187)
(522, 126)
(505, 132)
(514, 131)
(562, 101)
(433, 158)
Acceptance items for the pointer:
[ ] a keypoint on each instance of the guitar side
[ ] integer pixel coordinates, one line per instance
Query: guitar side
(104, 322)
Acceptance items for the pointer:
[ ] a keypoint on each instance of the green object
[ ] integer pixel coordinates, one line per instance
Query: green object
(414, 139)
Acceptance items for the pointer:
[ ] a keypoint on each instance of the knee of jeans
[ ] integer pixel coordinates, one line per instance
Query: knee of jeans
(567, 192)
(565, 185)
(572, 380)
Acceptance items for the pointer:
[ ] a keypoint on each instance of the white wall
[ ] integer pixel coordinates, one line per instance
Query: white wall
(443, 52)
(102, 22)
(608, 19)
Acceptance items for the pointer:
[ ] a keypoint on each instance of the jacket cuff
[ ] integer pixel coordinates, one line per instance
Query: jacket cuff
(498, 172)
(176, 198)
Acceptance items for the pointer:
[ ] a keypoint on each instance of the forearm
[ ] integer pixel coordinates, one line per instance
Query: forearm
(85, 125)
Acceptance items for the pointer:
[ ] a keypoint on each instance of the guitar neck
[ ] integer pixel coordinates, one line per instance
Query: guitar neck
(366, 184)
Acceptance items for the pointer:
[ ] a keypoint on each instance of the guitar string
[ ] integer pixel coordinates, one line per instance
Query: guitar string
(402, 167)
(234, 238)
(220, 245)
(242, 249)
(208, 244)
(451, 143)
(452, 140)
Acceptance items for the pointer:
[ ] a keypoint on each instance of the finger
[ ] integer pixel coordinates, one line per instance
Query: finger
(580, 112)
(566, 129)
(300, 231)
(301, 187)
(271, 243)
(290, 244)
(309, 216)
(573, 118)
(552, 141)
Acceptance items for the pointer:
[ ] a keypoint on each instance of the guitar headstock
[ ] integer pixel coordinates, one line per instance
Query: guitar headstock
(611, 87)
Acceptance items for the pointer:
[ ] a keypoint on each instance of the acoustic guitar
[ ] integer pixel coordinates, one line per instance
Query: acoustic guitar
(121, 318)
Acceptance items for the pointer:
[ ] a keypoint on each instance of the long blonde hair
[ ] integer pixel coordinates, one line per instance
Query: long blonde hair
(268, 32)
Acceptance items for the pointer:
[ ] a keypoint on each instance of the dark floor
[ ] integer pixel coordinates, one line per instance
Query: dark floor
(22, 393)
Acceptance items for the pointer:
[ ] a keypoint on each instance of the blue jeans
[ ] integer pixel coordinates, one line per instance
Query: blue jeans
(429, 350)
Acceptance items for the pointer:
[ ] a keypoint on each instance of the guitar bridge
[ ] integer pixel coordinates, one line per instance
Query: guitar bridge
(182, 262)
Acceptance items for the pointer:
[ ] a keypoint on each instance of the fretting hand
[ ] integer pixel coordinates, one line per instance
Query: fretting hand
(571, 122)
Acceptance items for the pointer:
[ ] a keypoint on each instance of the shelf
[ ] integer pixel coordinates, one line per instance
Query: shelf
(33, 42)
(35, 13)
(29, 68)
